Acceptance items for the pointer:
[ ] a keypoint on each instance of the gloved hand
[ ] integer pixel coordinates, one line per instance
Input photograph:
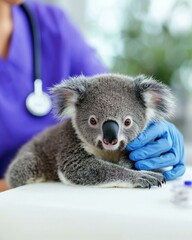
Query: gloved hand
(160, 145)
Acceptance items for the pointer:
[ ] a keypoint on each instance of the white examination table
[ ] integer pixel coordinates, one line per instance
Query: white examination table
(53, 211)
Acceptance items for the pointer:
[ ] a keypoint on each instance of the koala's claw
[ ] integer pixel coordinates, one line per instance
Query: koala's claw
(164, 180)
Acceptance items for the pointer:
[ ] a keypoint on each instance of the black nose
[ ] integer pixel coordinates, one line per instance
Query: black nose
(110, 132)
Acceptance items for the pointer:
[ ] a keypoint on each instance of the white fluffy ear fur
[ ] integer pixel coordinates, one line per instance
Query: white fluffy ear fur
(67, 94)
(156, 96)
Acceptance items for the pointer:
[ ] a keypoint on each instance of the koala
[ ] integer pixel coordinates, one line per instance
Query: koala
(100, 116)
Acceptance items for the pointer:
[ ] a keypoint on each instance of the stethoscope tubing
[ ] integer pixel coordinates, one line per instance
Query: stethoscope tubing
(36, 41)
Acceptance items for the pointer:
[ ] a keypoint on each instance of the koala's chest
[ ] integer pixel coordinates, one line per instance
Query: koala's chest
(111, 156)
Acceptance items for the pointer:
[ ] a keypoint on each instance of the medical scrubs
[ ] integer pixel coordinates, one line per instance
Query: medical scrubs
(64, 54)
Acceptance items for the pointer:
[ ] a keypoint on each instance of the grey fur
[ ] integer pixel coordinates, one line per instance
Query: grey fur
(74, 152)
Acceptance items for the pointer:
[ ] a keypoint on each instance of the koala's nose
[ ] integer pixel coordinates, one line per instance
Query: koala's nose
(110, 132)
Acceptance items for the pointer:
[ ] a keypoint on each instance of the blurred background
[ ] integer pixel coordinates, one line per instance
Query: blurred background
(143, 37)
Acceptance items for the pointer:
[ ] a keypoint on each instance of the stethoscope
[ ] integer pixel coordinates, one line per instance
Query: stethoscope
(38, 103)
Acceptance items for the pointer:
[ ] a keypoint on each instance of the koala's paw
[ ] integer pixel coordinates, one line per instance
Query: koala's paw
(147, 179)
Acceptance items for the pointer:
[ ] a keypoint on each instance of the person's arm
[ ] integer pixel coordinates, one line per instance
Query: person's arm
(3, 185)
(160, 145)
(83, 58)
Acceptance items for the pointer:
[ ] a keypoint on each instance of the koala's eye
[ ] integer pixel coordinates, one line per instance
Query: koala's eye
(128, 122)
(93, 121)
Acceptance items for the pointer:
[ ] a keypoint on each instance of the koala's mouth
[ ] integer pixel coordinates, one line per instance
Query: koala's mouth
(120, 145)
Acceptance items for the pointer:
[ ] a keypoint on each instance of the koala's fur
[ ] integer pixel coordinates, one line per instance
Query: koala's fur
(75, 151)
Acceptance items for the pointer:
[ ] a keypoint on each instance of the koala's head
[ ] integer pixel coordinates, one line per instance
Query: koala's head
(110, 110)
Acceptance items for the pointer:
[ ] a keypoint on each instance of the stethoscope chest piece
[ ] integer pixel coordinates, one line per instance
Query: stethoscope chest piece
(38, 103)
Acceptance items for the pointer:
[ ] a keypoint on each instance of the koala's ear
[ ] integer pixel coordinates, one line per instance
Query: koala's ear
(67, 94)
(156, 96)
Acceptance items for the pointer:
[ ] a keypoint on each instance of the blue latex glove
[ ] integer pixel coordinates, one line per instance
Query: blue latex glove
(160, 145)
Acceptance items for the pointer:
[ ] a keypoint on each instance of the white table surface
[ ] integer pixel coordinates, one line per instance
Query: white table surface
(53, 211)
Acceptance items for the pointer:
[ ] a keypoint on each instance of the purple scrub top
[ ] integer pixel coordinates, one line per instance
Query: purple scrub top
(64, 53)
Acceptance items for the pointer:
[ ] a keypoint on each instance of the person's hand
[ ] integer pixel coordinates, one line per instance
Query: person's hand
(160, 145)
(3, 185)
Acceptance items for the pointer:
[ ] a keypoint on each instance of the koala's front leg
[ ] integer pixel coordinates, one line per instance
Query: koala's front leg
(92, 171)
